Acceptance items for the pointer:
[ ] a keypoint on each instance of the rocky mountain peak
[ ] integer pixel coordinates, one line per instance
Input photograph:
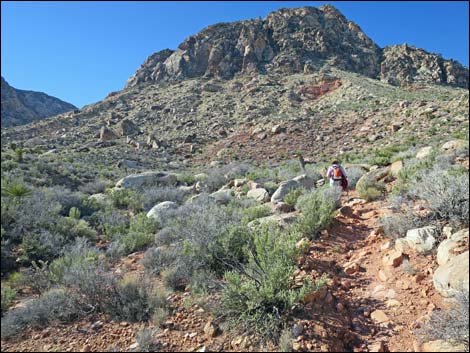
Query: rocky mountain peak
(293, 40)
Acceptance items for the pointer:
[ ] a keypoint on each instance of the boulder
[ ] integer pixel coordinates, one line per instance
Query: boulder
(283, 190)
(393, 258)
(239, 182)
(33, 142)
(107, 134)
(424, 152)
(147, 179)
(301, 181)
(422, 239)
(442, 346)
(259, 194)
(222, 197)
(453, 145)
(452, 276)
(372, 176)
(305, 181)
(396, 167)
(125, 163)
(159, 210)
(449, 248)
(126, 128)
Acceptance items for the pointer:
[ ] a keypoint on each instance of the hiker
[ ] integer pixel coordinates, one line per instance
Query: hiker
(337, 175)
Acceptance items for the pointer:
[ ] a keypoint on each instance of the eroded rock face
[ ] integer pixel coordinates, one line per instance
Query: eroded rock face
(292, 41)
(403, 65)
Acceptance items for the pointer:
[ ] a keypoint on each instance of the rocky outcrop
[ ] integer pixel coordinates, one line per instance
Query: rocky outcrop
(403, 65)
(452, 276)
(21, 107)
(287, 41)
(296, 40)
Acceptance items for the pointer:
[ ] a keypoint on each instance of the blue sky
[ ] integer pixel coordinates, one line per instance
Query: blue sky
(81, 51)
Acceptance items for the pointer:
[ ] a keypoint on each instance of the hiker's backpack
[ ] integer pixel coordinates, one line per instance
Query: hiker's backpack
(337, 175)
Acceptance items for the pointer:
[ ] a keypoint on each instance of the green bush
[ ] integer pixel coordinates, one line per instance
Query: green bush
(258, 297)
(8, 295)
(127, 199)
(140, 234)
(317, 210)
(254, 212)
(292, 196)
(74, 213)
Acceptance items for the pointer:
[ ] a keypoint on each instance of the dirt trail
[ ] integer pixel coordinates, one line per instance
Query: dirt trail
(379, 304)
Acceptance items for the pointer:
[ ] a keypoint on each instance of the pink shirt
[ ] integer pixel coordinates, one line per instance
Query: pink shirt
(329, 172)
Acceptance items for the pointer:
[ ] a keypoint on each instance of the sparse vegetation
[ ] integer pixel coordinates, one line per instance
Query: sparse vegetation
(450, 325)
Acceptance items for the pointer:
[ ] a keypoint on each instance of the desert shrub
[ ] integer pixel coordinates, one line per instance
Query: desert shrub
(292, 196)
(317, 208)
(258, 297)
(141, 233)
(93, 187)
(186, 178)
(396, 225)
(156, 195)
(383, 156)
(7, 259)
(156, 259)
(159, 316)
(450, 325)
(74, 213)
(110, 222)
(254, 212)
(44, 245)
(445, 192)
(63, 196)
(127, 199)
(133, 299)
(146, 341)
(371, 189)
(8, 295)
(354, 174)
(19, 154)
(219, 176)
(285, 341)
(205, 237)
(56, 305)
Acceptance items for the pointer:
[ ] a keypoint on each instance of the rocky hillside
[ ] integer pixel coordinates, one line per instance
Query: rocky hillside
(300, 40)
(21, 107)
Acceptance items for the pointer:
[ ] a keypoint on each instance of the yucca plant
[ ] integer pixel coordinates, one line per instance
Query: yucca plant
(15, 190)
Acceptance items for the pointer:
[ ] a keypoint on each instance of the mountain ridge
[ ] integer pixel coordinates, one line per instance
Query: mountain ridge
(24, 106)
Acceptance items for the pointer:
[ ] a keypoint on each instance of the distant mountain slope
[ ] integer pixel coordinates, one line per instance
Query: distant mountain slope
(21, 107)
